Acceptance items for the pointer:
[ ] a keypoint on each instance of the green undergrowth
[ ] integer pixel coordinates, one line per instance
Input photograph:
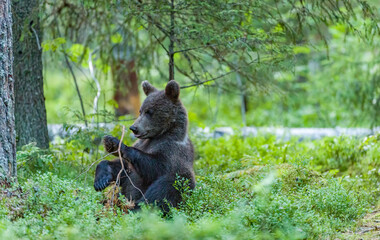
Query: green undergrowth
(247, 188)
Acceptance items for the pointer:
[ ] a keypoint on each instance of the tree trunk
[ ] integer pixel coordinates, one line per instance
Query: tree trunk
(8, 167)
(126, 88)
(171, 43)
(30, 109)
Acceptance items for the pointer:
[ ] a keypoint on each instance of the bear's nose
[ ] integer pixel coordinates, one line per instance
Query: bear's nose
(133, 129)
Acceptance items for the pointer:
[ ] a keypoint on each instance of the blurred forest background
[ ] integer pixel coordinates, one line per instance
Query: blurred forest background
(289, 63)
(262, 63)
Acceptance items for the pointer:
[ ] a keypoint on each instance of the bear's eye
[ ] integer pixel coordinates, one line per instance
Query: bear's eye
(149, 112)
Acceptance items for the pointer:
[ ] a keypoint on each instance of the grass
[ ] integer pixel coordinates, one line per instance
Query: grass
(247, 188)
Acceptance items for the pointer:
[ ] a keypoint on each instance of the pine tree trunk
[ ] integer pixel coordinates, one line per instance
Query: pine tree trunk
(30, 109)
(126, 88)
(7, 121)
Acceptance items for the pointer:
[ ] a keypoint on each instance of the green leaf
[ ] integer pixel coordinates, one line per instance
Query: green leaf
(301, 49)
(45, 45)
(77, 52)
(113, 103)
(278, 29)
(52, 44)
(116, 38)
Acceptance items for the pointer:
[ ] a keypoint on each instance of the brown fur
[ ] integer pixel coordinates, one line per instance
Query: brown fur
(162, 153)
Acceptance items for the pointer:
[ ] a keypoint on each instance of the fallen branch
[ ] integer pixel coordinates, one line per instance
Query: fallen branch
(125, 172)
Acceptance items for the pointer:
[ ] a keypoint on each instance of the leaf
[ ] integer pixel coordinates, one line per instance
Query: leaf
(301, 49)
(52, 44)
(278, 29)
(116, 38)
(113, 103)
(59, 41)
(103, 66)
(78, 51)
(45, 45)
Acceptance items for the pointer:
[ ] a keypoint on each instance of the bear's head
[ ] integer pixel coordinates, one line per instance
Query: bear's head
(161, 112)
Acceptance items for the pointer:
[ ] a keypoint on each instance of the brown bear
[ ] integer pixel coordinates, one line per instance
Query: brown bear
(162, 153)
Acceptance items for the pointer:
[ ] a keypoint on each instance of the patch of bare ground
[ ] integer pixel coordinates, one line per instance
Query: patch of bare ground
(14, 199)
(368, 228)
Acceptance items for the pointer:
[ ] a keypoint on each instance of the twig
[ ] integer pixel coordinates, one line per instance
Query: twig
(37, 39)
(91, 67)
(121, 159)
(195, 48)
(77, 88)
(158, 40)
(92, 164)
(123, 169)
(210, 80)
(74, 77)
(242, 96)
(151, 20)
(220, 76)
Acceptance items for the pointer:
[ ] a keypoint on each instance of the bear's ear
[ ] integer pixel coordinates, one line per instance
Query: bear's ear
(148, 88)
(172, 90)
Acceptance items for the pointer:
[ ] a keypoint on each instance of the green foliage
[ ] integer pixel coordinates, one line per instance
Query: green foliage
(31, 159)
(52, 44)
(83, 138)
(310, 212)
(336, 202)
(286, 54)
(337, 153)
(213, 196)
(332, 156)
(206, 40)
(62, 102)
(56, 208)
(237, 152)
(247, 188)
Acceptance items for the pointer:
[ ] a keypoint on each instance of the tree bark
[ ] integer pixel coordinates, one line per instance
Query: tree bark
(126, 88)
(30, 112)
(8, 167)
(171, 43)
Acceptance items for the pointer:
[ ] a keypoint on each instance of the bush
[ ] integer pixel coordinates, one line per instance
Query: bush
(247, 188)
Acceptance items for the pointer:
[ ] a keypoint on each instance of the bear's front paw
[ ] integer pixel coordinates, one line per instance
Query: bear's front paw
(111, 144)
(101, 184)
(103, 175)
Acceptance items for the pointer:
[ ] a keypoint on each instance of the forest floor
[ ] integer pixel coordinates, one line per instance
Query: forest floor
(369, 227)
(248, 187)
